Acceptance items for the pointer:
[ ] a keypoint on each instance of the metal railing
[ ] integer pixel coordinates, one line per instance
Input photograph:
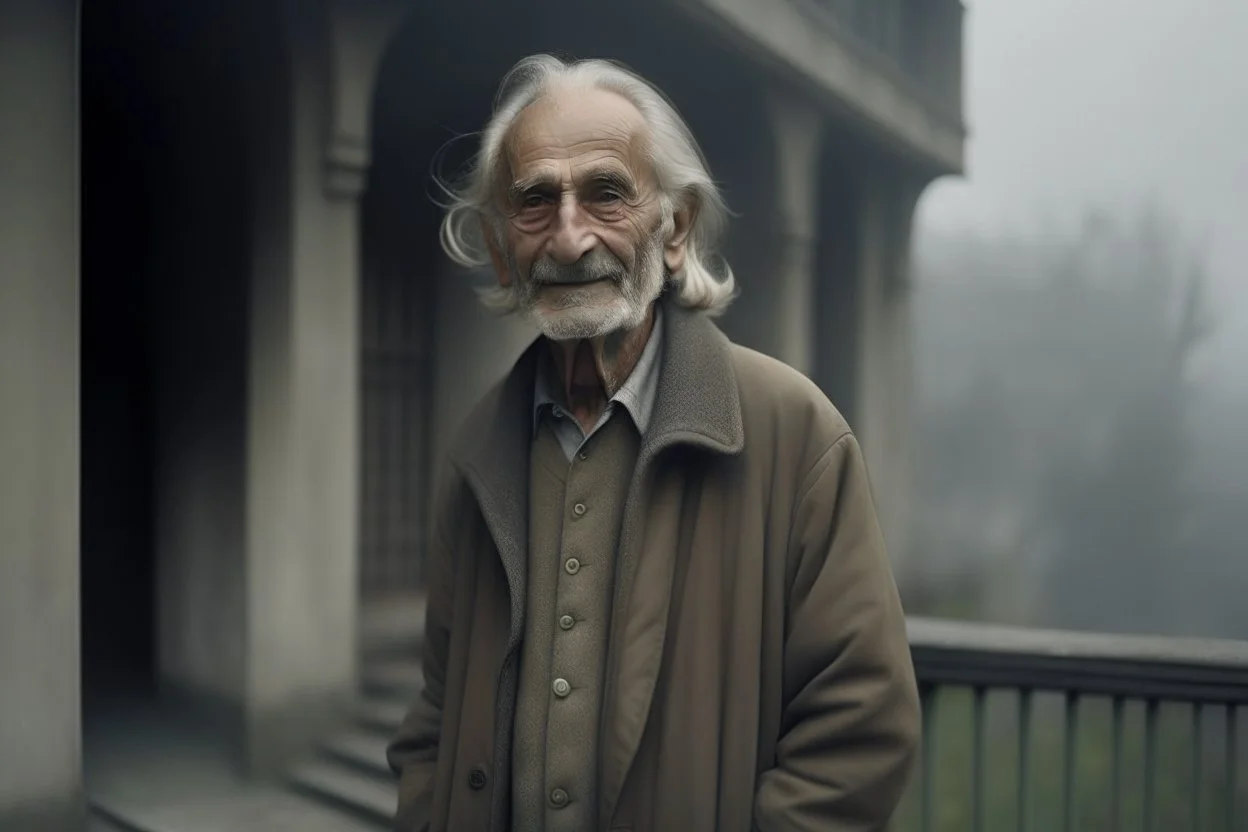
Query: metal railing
(1194, 689)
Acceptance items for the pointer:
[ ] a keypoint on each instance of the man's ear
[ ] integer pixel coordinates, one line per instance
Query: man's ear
(497, 259)
(678, 241)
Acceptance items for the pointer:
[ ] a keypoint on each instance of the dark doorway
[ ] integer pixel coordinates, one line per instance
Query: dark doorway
(121, 171)
(165, 273)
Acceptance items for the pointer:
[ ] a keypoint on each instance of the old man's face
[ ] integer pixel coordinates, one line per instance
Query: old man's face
(586, 246)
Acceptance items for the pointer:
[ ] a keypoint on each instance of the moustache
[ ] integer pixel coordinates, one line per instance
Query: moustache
(595, 265)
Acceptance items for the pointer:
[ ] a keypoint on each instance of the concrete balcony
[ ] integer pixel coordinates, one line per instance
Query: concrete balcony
(891, 67)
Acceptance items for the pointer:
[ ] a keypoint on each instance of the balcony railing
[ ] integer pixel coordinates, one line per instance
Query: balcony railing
(1106, 732)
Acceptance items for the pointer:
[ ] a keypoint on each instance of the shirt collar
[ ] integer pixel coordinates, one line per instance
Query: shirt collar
(636, 395)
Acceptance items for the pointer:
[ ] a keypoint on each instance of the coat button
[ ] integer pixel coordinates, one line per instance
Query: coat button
(566, 622)
(582, 455)
(561, 688)
(558, 798)
(477, 778)
(572, 566)
(579, 509)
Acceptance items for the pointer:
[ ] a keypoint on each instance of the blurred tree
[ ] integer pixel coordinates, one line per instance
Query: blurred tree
(1053, 402)
(1116, 504)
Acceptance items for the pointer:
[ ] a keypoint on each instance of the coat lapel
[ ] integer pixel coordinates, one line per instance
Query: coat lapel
(697, 405)
(493, 456)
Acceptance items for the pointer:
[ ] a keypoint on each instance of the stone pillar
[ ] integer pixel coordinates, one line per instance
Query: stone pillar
(301, 450)
(790, 288)
(882, 404)
(40, 729)
(302, 426)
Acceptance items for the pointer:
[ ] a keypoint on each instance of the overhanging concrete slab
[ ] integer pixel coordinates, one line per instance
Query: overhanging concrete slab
(791, 37)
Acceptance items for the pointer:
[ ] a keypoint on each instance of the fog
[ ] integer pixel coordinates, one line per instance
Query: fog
(1109, 102)
(1115, 109)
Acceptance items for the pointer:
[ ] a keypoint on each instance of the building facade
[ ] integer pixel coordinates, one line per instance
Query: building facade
(232, 347)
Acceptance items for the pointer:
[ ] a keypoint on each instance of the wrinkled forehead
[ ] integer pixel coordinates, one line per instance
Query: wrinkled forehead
(574, 133)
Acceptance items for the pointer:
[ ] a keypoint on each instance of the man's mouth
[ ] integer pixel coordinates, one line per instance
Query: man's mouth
(568, 284)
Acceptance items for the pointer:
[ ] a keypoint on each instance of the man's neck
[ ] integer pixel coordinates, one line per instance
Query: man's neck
(592, 370)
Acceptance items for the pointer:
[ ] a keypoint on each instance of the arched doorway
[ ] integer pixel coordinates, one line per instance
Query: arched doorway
(167, 262)
(427, 351)
(164, 275)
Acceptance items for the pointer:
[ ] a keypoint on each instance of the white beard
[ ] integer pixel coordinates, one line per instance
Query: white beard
(590, 311)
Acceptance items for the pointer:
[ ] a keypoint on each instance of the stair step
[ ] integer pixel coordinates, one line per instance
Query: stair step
(383, 714)
(363, 795)
(396, 678)
(364, 750)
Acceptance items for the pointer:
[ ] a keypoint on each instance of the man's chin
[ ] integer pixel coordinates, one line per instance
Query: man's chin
(582, 322)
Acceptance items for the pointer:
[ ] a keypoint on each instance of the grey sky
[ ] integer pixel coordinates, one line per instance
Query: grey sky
(1112, 102)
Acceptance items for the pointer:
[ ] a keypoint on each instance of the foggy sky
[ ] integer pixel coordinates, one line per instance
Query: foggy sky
(1112, 102)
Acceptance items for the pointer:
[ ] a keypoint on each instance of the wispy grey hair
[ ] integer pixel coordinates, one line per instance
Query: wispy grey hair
(683, 178)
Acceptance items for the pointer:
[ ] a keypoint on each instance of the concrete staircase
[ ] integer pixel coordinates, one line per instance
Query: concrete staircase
(349, 771)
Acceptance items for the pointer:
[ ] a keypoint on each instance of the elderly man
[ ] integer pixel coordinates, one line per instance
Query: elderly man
(658, 594)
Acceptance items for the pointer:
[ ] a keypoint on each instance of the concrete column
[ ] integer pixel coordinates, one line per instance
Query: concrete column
(301, 429)
(302, 421)
(790, 290)
(40, 728)
(882, 404)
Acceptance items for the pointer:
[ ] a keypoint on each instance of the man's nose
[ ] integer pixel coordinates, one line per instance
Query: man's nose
(573, 237)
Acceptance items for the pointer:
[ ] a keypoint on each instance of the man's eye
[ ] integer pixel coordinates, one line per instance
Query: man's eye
(533, 201)
(608, 197)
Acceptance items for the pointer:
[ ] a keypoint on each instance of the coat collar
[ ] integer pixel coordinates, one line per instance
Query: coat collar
(697, 401)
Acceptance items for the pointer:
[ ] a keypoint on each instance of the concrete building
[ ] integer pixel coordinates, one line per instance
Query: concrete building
(230, 346)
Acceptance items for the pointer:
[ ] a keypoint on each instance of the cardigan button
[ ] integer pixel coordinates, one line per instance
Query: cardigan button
(477, 778)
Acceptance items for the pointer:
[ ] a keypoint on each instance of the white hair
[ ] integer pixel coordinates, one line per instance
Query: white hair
(679, 166)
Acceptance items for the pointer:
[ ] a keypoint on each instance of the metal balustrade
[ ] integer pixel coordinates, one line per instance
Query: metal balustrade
(1207, 679)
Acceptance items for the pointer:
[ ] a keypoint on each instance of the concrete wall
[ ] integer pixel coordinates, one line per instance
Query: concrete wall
(40, 754)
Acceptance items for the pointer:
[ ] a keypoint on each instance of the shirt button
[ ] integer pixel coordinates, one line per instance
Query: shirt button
(561, 688)
(566, 622)
(579, 509)
(572, 566)
(558, 798)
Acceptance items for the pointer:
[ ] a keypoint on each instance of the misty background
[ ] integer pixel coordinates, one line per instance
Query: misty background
(1081, 325)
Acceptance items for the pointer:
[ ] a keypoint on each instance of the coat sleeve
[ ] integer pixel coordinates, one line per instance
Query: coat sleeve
(851, 717)
(413, 754)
